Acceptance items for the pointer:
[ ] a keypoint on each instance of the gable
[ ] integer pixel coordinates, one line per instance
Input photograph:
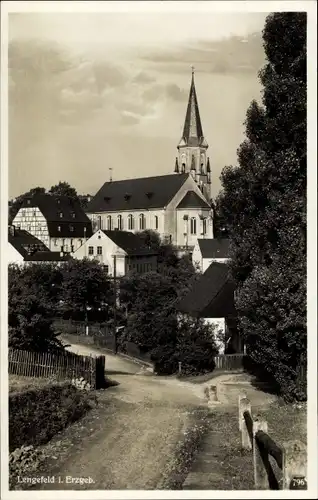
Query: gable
(192, 200)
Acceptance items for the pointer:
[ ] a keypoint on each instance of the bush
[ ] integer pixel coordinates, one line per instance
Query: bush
(36, 415)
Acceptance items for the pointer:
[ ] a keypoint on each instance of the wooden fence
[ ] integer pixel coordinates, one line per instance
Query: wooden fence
(290, 459)
(229, 362)
(66, 365)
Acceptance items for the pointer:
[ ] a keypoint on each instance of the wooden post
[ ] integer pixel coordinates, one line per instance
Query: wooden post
(213, 393)
(294, 465)
(244, 405)
(260, 457)
(179, 367)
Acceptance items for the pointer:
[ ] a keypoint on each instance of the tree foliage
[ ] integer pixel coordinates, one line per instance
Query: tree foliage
(30, 311)
(85, 287)
(263, 205)
(64, 189)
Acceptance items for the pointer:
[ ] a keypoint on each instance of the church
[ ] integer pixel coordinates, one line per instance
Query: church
(177, 205)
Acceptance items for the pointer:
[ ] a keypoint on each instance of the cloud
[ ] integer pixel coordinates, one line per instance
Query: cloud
(143, 77)
(228, 55)
(175, 93)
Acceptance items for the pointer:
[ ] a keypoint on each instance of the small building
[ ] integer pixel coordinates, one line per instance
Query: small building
(212, 299)
(58, 221)
(210, 250)
(123, 249)
(23, 248)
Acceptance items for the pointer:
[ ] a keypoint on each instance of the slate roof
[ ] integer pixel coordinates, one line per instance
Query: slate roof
(133, 194)
(192, 130)
(48, 257)
(214, 248)
(63, 212)
(22, 240)
(25, 243)
(212, 295)
(192, 200)
(129, 242)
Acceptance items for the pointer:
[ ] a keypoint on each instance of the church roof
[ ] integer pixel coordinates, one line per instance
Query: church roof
(192, 130)
(131, 243)
(212, 295)
(192, 200)
(214, 248)
(133, 194)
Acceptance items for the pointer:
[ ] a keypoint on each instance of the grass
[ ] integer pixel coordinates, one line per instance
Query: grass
(228, 466)
(18, 383)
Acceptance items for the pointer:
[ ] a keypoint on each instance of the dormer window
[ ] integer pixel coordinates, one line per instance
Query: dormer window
(107, 199)
(72, 228)
(149, 194)
(73, 215)
(61, 215)
(59, 228)
(58, 201)
(127, 196)
(28, 202)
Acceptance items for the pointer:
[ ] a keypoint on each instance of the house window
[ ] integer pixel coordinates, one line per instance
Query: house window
(71, 228)
(29, 228)
(119, 222)
(66, 248)
(23, 213)
(90, 250)
(72, 248)
(141, 222)
(109, 223)
(59, 228)
(130, 222)
(55, 243)
(204, 226)
(80, 243)
(62, 248)
(99, 250)
(193, 225)
(106, 268)
(34, 213)
(156, 222)
(73, 215)
(61, 215)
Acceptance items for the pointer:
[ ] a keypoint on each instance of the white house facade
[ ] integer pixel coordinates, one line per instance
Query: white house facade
(118, 250)
(207, 250)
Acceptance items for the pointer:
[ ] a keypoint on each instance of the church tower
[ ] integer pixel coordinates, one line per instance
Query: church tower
(192, 147)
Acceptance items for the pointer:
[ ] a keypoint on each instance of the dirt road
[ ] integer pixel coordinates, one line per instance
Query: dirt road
(128, 440)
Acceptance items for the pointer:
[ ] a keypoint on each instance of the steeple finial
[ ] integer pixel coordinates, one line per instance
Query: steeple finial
(192, 130)
(192, 69)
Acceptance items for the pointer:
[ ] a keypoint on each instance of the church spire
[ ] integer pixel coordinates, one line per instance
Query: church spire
(192, 130)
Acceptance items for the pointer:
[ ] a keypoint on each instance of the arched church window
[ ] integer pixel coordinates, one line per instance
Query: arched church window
(109, 223)
(193, 225)
(183, 168)
(141, 222)
(156, 222)
(99, 222)
(130, 222)
(119, 222)
(203, 226)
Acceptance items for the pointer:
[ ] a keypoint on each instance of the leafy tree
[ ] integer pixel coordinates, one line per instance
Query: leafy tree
(30, 324)
(85, 288)
(263, 204)
(64, 189)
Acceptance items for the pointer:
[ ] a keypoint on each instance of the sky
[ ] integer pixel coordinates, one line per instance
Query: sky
(94, 91)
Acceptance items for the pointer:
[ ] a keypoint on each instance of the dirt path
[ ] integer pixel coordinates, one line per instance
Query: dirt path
(128, 440)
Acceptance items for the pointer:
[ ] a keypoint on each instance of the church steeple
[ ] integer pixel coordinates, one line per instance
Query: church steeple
(192, 147)
(192, 130)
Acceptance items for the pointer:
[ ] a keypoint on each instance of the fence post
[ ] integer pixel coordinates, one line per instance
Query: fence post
(244, 405)
(294, 465)
(260, 457)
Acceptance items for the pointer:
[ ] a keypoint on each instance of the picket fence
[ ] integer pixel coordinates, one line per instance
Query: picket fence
(229, 362)
(66, 365)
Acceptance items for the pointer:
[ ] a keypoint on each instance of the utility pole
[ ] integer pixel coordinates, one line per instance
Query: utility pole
(115, 307)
